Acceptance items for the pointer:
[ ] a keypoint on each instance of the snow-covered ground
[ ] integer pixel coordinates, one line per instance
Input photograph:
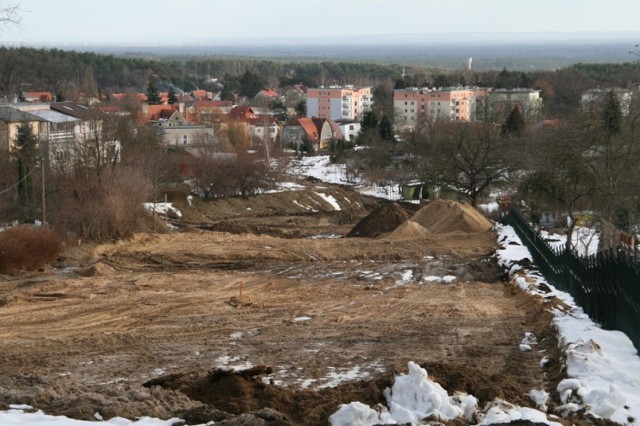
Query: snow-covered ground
(321, 168)
(583, 240)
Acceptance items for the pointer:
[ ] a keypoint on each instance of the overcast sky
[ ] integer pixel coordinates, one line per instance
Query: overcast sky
(193, 21)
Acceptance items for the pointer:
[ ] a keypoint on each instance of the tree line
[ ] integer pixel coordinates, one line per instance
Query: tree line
(65, 73)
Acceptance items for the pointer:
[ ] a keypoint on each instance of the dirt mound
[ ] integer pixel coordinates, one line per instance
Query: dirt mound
(384, 219)
(239, 392)
(408, 229)
(445, 216)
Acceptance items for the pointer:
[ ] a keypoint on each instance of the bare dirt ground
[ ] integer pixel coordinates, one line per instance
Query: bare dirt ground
(323, 321)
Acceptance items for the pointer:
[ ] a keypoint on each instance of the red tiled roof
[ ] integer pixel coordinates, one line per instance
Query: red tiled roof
(203, 103)
(156, 112)
(309, 128)
(40, 96)
(141, 97)
(268, 93)
(244, 113)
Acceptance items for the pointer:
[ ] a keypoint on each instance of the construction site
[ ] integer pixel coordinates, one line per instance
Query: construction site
(273, 309)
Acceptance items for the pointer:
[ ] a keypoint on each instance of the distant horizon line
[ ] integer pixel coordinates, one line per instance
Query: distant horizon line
(478, 37)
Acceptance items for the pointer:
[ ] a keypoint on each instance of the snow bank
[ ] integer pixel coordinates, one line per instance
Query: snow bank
(412, 397)
(15, 417)
(603, 365)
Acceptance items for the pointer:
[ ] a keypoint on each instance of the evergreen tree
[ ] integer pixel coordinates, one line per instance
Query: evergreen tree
(26, 156)
(369, 122)
(515, 123)
(251, 84)
(153, 97)
(172, 98)
(385, 129)
(611, 115)
(301, 108)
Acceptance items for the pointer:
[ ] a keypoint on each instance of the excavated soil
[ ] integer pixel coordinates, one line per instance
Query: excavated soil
(444, 216)
(382, 220)
(151, 326)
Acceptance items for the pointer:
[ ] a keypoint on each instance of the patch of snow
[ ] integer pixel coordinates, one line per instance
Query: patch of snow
(336, 377)
(330, 199)
(304, 207)
(405, 278)
(300, 319)
(162, 208)
(18, 417)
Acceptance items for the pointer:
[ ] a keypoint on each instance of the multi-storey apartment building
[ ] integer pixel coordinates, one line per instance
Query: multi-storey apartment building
(339, 102)
(414, 105)
(503, 101)
(594, 97)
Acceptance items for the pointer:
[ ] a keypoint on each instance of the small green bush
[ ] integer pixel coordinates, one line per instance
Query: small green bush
(27, 248)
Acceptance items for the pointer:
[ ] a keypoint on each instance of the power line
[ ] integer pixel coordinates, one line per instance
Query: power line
(19, 182)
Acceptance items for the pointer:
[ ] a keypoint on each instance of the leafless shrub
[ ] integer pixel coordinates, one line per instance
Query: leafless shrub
(105, 208)
(27, 248)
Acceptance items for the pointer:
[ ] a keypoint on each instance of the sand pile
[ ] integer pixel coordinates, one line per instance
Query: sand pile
(408, 229)
(384, 219)
(444, 216)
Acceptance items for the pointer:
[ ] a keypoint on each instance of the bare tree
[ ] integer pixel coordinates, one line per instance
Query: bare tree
(9, 14)
(468, 157)
(559, 176)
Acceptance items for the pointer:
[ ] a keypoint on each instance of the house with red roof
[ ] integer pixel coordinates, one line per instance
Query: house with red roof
(209, 112)
(259, 126)
(318, 131)
(38, 97)
(202, 95)
(268, 94)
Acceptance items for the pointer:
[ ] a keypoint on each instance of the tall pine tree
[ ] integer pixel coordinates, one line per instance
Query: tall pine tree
(153, 97)
(515, 123)
(26, 156)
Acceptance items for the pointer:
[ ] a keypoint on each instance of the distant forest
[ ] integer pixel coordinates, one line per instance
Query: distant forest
(65, 73)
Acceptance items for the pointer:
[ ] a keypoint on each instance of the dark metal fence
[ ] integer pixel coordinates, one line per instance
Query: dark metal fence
(605, 285)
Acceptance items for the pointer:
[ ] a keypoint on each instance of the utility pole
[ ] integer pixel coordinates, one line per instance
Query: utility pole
(44, 206)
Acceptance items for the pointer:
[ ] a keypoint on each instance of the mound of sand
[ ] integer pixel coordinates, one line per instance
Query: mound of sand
(408, 229)
(384, 219)
(445, 216)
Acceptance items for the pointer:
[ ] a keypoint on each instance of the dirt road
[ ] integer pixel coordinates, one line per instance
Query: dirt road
(322, 313)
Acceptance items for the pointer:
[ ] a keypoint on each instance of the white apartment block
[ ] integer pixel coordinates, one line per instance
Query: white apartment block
(594, 97)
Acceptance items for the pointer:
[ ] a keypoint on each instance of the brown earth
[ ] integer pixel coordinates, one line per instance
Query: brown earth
(324, 321)
(384, 219)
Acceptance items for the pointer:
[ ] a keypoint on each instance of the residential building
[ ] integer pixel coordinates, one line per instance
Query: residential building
(336, 102)
(349, 129)
(268, 94)
(503, 101)
(38, 97)
(318, 131)
(417, 105)
(594, 97)
(60, 134)
(92, 130)
(209, 112)
(11, 119)
(259, 126)
(178, 132)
